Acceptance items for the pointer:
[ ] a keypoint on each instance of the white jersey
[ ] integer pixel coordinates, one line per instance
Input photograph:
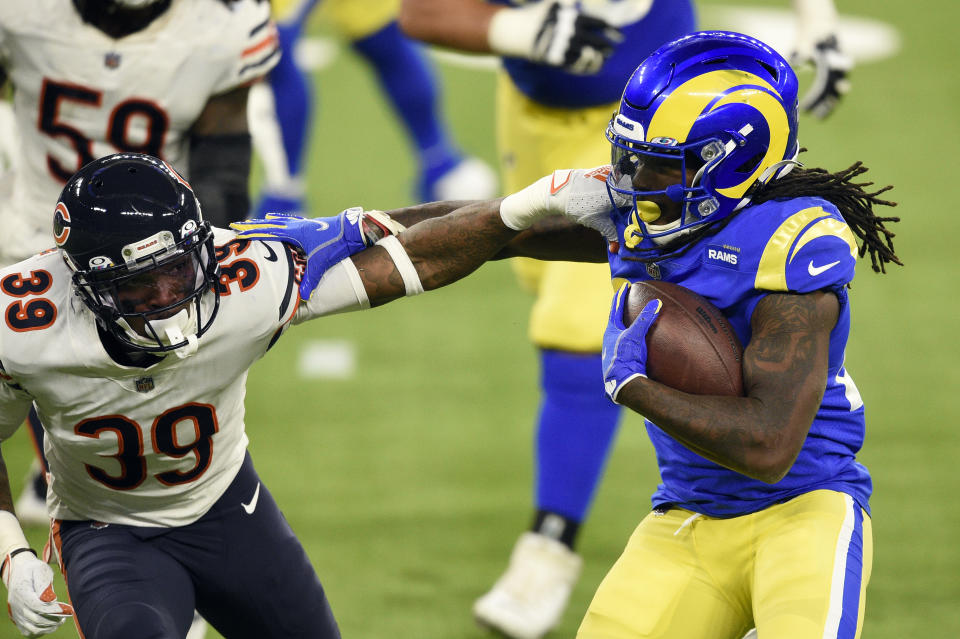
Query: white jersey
(153, 446)
(80, 94)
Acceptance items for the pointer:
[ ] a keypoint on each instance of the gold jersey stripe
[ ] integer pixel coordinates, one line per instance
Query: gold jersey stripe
(828, 226)
(772, 271)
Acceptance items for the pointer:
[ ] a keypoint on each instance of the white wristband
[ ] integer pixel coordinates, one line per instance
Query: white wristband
(11, 534)
(353, 276)
(408, 272)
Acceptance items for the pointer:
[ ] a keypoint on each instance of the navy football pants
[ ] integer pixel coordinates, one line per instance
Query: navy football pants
(247, 574)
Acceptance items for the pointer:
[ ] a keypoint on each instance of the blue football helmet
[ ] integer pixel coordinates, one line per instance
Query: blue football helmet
(124, 220)
(719, 105)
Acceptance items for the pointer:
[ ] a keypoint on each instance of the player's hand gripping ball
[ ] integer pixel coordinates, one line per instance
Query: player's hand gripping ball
(625, 347)
(691, 347)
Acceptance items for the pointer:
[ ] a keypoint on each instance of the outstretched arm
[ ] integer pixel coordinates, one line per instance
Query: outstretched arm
(552, 238)
(441, 249)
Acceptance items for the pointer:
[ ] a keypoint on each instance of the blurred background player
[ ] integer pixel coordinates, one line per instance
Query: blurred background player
(817, 45)
(281, 116)
(564, 68)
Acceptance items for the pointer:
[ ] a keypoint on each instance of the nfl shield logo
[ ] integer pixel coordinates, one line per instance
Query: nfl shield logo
(111, 60)
(144, 384)
(653, 270)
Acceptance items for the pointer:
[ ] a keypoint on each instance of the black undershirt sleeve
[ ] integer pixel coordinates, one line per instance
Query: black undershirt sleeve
(219, 174)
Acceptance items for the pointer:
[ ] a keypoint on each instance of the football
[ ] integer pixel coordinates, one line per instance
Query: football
(691, 346)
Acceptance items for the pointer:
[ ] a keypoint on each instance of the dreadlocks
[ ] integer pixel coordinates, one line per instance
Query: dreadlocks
(854, 202)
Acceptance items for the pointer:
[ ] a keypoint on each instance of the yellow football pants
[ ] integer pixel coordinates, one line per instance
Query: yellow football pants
(796, 570)
(573, 299)
(352, 18)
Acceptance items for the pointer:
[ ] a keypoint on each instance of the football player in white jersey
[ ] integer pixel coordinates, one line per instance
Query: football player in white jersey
(93, 77)
(133, 339)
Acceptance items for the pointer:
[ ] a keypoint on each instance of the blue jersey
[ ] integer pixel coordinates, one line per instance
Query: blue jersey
(798, 245)
(666, 20)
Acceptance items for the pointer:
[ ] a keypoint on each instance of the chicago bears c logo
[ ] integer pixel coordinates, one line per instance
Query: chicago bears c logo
(61, 224)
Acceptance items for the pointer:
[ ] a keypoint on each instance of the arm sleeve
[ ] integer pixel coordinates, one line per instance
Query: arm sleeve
(340, 291)
(219, 173)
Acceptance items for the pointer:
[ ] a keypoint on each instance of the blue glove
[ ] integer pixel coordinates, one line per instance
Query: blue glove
(625, 349)
(324, 241)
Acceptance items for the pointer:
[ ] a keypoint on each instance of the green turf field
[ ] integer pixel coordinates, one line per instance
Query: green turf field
(409, 481)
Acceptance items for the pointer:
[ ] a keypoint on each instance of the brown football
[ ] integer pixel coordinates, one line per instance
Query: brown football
(691, 346)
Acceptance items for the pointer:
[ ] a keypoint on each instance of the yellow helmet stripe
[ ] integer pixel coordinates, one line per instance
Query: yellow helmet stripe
(776, 119)
(675, 116)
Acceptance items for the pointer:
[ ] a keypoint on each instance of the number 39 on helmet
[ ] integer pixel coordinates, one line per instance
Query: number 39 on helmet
(724, 105)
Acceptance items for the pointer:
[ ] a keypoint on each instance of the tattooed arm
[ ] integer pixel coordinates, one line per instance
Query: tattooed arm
(447, 248)
(442, 249)
(553, 238)
(410, 215)
(785, 374)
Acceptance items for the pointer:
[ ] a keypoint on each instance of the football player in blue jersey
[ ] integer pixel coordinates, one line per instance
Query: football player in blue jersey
(762, 517)
(564, 67)
(407, 80)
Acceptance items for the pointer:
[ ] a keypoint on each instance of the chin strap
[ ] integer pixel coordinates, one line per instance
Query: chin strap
(778, 170)
(171, 331)
(773, 172)
(182, 327)
(660, 240)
